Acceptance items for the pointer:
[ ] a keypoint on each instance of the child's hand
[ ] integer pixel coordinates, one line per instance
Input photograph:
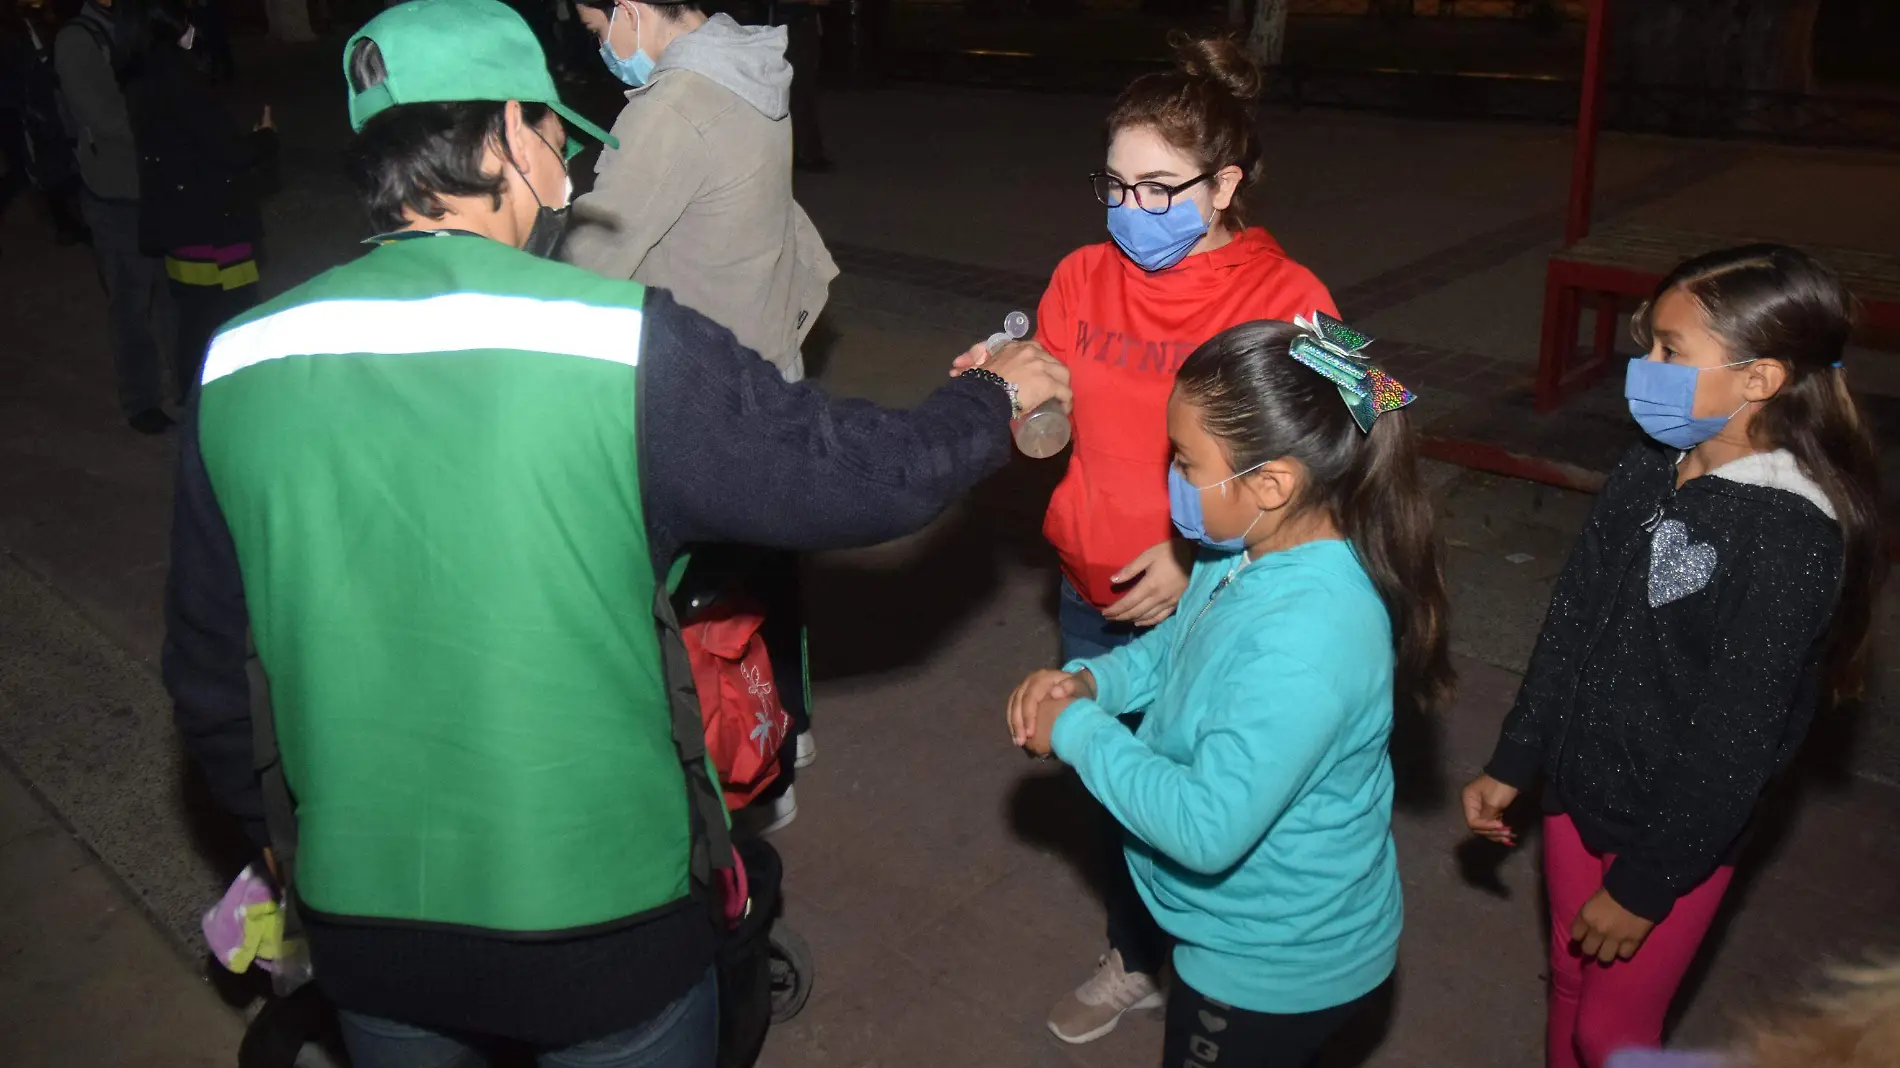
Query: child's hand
(1027, 701)
(1042, 743)
(1485, 801)
(1041, 689)
(1607, 931)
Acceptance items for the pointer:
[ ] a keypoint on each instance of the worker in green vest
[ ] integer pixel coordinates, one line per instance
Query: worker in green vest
(440, 487)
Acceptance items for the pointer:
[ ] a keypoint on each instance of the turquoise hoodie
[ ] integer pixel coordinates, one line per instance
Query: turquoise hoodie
(1258, 792)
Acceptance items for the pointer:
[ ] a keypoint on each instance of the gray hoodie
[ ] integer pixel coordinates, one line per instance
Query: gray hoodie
(698, 198)
(96, 112)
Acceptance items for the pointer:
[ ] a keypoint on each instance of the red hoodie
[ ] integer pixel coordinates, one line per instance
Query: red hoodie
(1123, 334)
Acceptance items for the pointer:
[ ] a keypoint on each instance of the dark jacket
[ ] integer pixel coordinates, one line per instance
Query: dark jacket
(729, 452)
(199, 174)
(33, 94)
(1678, 669)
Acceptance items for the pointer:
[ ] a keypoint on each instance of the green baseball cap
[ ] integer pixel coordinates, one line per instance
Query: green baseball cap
(439, 51)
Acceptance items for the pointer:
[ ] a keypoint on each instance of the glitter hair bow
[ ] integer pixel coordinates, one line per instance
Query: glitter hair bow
(1332, 348)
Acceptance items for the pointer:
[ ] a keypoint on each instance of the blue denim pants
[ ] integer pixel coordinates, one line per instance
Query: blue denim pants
(684, 1035)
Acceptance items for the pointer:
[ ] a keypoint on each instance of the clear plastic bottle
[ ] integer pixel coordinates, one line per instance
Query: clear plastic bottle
(1043, 432)
(291, 969)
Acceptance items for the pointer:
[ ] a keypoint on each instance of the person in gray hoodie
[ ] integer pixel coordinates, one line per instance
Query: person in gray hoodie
(698, 198)
(100, 123)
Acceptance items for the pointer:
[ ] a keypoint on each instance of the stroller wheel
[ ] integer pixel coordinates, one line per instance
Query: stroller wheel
(791, 972)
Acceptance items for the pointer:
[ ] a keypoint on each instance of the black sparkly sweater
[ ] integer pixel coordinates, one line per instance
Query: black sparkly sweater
(1678, 669)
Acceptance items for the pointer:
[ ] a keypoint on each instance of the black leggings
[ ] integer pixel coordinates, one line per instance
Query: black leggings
(1203, 1033)
(199, 311)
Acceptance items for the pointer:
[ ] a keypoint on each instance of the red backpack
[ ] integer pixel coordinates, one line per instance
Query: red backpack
(745, 724)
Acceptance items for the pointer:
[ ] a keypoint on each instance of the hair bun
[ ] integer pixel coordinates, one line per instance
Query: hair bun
(1219, 59)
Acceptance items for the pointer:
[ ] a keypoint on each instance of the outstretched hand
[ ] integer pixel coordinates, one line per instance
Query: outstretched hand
(977, 356)
(1037, 376)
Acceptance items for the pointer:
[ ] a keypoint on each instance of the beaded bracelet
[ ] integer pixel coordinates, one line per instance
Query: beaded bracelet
(1015, 406)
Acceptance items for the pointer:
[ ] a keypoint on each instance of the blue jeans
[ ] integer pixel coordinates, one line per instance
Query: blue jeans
(684, 1035)
(137, 300)
(1131, 928)
(1084, 632)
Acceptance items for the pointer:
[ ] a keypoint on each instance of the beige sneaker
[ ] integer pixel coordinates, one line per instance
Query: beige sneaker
(1096, 1006)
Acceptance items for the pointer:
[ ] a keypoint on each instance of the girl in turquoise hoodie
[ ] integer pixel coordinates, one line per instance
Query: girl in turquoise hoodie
(1257, 794)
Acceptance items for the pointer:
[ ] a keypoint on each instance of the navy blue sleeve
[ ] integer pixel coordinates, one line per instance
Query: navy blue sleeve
(733, 453)
(206, 627)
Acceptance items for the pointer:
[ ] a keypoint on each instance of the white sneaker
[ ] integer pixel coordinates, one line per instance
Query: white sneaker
(1097, 1006)
(757, 821)
(807, 751)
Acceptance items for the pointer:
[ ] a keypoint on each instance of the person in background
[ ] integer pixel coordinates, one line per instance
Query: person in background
(109, 170)
(16, 63)
(804, 22)
(1182, 265)
(1257, 792)
(700, 201)
(441, 487)
(200, 177)
(213, 38)
(33, 139)
(1721, 592)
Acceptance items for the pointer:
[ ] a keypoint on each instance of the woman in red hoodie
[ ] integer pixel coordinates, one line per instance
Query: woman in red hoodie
(1184, 265)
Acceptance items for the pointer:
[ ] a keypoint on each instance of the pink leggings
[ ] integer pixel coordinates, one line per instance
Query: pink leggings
(1596, 1010)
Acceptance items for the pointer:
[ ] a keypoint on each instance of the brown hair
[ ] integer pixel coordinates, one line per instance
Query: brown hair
(1204, 107)
(1262, 404)
(1772, 302)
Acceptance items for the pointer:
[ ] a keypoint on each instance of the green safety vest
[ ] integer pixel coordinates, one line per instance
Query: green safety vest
(427, 462)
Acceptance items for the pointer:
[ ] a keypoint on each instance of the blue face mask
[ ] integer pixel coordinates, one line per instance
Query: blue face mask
(1157, 242)
(1184, 507)
(635, 69)
(1662, 400)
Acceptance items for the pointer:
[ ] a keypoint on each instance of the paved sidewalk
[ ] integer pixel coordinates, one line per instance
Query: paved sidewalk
(85, 978)
(942, 880)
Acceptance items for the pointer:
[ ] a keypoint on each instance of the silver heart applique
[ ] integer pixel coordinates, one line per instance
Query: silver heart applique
(1677, 568)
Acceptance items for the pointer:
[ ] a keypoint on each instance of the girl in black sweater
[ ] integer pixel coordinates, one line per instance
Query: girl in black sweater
(1720, 592)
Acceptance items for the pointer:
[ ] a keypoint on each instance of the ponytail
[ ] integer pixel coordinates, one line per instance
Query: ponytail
(1771, 302)
(1264, 405)
(1388, 517)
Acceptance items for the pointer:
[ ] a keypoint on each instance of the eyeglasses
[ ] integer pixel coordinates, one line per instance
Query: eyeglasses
(1154, 198)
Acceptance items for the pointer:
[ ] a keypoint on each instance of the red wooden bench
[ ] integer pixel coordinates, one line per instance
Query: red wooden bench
(1620, 264)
